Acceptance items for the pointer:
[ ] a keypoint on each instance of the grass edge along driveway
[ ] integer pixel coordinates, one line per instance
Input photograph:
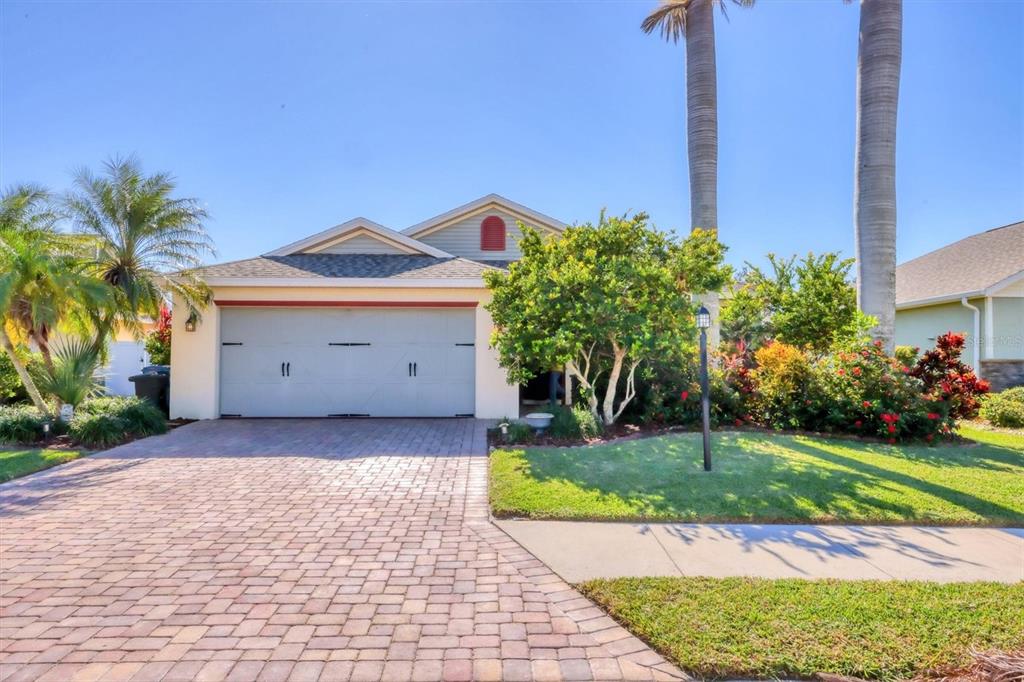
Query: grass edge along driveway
(879, 630)
(767, 478)
(18, 462)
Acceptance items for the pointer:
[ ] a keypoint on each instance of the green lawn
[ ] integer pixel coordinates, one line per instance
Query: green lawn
(15, 463)
(741, 627)
(767, 478)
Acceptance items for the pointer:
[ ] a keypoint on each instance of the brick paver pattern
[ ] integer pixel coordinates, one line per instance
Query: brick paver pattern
(288, 550)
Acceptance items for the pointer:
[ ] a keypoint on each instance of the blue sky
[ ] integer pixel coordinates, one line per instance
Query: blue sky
(287, 118)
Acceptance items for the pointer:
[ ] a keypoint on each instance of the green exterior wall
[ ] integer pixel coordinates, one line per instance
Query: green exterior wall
(1007, 328)
(920, 326)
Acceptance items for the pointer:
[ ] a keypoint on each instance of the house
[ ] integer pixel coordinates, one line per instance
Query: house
(974, 286)
(357, 320)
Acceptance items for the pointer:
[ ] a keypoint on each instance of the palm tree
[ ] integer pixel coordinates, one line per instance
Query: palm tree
(141, 234)
(874, 211)
(694, 20)
(41, 283)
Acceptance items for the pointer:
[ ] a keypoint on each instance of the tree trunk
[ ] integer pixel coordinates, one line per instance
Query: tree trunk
(42, 341)
(702, 114)
(874, 211)
(608, 408)
(573, 369)
(26, 380)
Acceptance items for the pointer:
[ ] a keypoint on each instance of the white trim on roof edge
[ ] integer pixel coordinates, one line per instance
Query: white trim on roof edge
(385, 233)
(1003, 283)
(937, 300)
(955, 298)
(351, 282)
(477, 204)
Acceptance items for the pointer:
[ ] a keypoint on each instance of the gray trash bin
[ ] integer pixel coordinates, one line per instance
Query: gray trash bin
(152, 387)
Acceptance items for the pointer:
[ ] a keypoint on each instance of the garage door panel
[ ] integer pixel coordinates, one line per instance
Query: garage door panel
(331, 373)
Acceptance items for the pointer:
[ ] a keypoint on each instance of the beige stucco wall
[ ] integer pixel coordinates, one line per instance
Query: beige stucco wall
(195, 356)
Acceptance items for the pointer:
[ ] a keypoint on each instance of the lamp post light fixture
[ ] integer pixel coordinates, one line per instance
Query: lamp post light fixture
(704, 323)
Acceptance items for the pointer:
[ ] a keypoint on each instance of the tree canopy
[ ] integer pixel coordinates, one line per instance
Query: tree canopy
(809, 303)
(600, 299)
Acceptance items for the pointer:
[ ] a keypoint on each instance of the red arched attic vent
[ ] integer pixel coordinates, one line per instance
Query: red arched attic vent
(492, 234)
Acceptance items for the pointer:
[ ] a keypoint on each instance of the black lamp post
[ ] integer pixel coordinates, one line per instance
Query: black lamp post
(703, 323)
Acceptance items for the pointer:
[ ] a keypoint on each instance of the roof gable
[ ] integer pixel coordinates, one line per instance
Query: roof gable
(978, 265)
(362, 229)
(481, 205)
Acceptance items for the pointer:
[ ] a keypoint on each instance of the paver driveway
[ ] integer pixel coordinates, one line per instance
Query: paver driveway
(277, 549)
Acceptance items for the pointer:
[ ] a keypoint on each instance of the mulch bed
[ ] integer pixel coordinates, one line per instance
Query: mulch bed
(627, 432)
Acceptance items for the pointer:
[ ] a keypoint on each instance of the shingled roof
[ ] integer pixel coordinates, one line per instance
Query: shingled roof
(969, 267)
(349, 265)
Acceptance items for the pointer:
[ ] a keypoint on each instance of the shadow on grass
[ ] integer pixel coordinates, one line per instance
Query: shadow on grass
(775, 479)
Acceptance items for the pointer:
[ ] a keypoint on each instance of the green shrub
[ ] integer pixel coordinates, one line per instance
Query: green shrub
(103, 422)
(98, 430)
(907, 355)
(139, 416)
(1005, 408)
(20, 424)
(573, 423)
(10, 382)
(672, 396)
(519, 432)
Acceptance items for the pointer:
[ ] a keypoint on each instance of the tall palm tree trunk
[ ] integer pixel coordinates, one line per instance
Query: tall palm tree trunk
(874, 212)
(702, 114)
(26, 379)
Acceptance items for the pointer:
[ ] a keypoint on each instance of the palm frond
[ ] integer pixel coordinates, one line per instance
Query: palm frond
(142, 231)
(669, 18)
(72, 379)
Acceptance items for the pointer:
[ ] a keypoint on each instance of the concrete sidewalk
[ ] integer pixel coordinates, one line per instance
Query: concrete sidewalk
(582, 550)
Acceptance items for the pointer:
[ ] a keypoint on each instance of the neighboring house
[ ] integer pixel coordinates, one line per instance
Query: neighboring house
(357, 320)
(126, 356)
(976, 287)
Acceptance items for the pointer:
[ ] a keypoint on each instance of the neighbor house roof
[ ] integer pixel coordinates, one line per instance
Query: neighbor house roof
(976, 266)
(315, 266)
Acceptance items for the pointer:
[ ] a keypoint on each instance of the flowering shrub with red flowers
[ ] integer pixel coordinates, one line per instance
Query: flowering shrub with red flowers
(678, 402)
(158, 341)
(863, 391)
(858, 390)
(947, 378)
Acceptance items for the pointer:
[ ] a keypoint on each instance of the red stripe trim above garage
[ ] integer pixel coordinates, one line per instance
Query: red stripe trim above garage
(249, 303)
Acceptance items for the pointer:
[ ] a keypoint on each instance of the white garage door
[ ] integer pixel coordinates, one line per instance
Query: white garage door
(281, 362)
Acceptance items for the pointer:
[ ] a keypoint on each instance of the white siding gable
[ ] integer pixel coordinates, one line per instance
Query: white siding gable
(462, 237)
(362, 243)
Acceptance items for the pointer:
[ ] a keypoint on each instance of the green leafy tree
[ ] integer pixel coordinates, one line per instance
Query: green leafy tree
(810, 303)
(600, 299)
(41, 281)
(140, 233)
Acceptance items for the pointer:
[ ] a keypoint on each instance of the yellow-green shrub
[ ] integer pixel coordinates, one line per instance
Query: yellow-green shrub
(780, 379)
